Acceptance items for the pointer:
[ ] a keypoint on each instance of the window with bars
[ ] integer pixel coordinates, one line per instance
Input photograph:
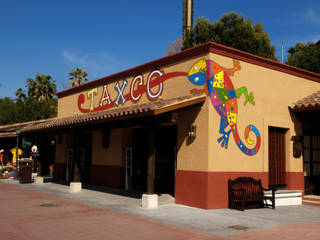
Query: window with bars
(311, 155)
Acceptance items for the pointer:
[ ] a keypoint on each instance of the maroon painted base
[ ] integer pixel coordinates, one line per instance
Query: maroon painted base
(209, 190)
(295, 180)
(108, 176)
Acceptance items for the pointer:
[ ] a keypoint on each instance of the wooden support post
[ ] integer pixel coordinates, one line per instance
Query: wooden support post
(151, 162)
(75, 160)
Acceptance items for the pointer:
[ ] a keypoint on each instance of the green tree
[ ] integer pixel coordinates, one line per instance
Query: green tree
(42, 88)
(21, 95)
(26, 109)
(234, 31)
(174, 47)
(78, 76)
(35, 110)
(306, 56)
(9, 113)
(39, 102)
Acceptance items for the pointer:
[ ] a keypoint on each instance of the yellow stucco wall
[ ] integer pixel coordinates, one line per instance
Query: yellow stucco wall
(114, 155)
(193, 152)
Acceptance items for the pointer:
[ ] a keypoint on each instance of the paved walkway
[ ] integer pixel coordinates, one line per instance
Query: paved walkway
(49, 211)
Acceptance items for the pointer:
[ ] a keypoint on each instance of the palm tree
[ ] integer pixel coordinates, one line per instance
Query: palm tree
(78, 77)
(41, 88)
(20, 94)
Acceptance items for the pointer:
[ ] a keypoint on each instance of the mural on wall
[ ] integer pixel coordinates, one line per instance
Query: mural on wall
(217, 85)
(137, 87)
(223, 96)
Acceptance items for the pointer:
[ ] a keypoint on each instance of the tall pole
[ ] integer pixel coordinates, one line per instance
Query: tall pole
(187, 13)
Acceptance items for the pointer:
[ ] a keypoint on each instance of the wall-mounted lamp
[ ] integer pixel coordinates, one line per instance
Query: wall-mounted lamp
(192, 132)
(297, 146)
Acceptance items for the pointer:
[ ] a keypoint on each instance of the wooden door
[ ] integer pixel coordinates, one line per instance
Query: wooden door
(277, 157)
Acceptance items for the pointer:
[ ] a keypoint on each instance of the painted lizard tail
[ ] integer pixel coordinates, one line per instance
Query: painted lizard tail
(247, 131)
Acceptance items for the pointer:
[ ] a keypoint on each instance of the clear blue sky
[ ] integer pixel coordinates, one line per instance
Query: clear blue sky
(104, 37)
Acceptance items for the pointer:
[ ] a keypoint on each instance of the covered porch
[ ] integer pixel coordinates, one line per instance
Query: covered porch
(131, 148)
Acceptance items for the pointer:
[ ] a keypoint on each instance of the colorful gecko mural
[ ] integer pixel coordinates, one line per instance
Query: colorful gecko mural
(223, 96)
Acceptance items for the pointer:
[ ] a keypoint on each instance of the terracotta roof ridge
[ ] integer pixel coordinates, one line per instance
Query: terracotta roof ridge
(13, 126)
(149, 107)
(310, 101)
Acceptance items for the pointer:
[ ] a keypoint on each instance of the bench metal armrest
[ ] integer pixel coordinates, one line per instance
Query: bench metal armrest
(270, 189)
(273, 195)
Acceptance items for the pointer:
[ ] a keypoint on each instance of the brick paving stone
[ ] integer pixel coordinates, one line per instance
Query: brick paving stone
(298, 231)
(23, 218)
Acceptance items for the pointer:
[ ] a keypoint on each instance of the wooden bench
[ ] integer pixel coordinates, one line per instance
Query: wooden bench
(247, 192)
